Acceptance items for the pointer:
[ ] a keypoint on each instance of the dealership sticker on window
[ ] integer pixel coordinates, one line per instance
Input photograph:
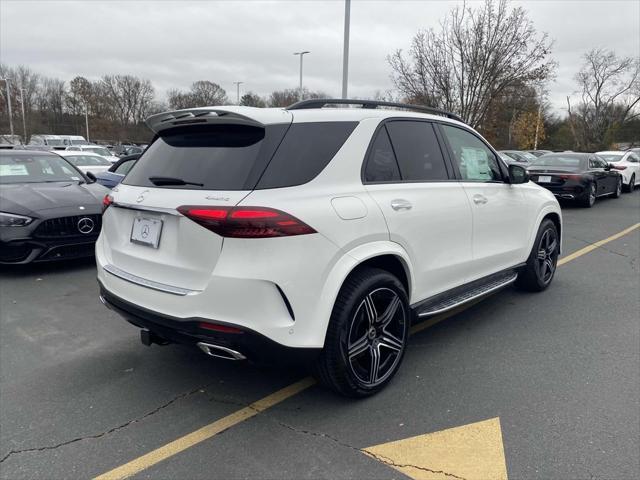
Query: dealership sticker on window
(7, 170)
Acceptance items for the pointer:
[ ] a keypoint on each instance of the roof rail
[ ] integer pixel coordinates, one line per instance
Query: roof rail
(321, 102)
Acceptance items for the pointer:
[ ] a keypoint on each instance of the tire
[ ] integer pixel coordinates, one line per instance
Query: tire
(632, 183)
(356, 326)
(541, 265)
(618, 191)
(590, 198)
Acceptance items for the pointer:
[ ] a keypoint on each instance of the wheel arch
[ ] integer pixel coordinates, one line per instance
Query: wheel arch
(386, 255)
(553, 213)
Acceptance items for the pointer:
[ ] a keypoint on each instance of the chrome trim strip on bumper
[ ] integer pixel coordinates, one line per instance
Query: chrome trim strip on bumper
(162, 287)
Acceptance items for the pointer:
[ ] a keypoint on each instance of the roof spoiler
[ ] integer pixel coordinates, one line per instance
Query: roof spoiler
(258, 117)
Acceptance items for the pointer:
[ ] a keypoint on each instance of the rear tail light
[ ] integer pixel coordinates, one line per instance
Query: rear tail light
(246, 222)
(106, 201)
(619, 167)
(570, 176)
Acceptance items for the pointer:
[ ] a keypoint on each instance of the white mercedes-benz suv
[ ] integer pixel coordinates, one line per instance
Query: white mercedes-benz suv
(318, 234)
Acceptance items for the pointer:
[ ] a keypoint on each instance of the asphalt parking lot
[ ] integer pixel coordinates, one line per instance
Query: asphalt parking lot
(545, 385)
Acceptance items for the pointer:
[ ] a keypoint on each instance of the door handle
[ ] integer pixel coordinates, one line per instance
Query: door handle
(480, 199)
(401, 204)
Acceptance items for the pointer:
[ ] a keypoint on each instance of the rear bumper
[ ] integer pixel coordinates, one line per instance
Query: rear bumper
(566, 192)
(250, 344)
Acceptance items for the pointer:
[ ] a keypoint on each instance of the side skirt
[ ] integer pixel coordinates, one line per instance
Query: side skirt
(455, 297)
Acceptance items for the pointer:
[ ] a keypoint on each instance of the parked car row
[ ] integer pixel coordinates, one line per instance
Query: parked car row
(386, 200)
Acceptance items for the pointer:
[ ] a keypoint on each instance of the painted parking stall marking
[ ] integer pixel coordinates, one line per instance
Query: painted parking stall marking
(485, 435)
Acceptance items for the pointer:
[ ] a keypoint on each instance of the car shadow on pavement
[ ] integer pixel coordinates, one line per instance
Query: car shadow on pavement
(17, 271)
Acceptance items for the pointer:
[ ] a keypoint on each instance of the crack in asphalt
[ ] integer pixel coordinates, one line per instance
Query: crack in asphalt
(106, 432)
(381, 458)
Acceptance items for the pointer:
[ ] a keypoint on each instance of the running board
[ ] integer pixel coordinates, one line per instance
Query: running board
(448, 301)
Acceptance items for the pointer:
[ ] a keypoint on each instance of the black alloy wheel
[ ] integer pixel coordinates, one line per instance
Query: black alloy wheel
(376, 340)
(541, 265)
(367, 334)
(547, 255)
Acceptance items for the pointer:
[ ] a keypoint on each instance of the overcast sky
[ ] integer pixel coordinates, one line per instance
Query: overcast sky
(174, 43)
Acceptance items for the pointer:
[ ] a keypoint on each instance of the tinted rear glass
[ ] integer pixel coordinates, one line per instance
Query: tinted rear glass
(559, 160)
(305, 151)
(221, 157)
(381, 164)
(417, 151)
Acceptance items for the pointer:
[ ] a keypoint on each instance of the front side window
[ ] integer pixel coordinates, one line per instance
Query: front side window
(475, 160)
(417, 150)
(381, 163)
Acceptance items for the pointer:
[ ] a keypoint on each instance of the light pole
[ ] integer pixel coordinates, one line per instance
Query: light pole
(301, 55)
(237, 84)
(345, 48)
(6, 82)
(86, 118)
(24, 122)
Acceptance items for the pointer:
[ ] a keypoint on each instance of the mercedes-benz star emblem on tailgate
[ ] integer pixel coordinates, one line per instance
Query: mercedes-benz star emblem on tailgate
(141, 196)
(85, 225)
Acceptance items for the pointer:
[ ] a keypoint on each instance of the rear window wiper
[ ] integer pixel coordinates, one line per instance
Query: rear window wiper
(165, 181)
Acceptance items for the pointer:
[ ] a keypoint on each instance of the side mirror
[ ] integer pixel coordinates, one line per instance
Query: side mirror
(518, 174)
(91, 177)
(608, 167)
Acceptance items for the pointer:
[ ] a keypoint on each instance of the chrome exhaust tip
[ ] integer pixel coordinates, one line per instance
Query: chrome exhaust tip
(220, 352)
(104, 302)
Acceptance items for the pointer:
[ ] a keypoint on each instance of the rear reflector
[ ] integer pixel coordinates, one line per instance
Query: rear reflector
(246, 222)
(219, 328)
(570, 177)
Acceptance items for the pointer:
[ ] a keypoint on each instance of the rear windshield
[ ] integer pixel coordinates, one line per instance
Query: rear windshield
(84, 160)
(234, 157)
(611, 157)
(554, 160)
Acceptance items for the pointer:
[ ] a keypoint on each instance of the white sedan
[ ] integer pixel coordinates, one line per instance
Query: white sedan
(86, 161)
(100, 150)
(627, 163)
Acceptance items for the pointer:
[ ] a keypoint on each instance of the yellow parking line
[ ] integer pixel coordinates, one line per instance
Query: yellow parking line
(590, 248)
(204, 433)
(170, 449)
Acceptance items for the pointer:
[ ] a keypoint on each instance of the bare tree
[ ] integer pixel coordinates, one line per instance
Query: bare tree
(609, 97)
(283, 98)
(202, 93)
(474, 56)
(130, 96)
(289, 96)
(251, 99)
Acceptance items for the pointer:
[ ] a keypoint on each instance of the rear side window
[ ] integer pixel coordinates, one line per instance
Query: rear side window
(221, 157)
(417, 150)
(381, 164)
(305, 151)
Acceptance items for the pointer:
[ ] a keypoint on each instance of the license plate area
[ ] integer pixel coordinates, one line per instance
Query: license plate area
(146, 231)
(544, 179)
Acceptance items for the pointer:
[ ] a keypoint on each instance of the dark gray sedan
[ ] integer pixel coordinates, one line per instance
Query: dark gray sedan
(49, 210)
